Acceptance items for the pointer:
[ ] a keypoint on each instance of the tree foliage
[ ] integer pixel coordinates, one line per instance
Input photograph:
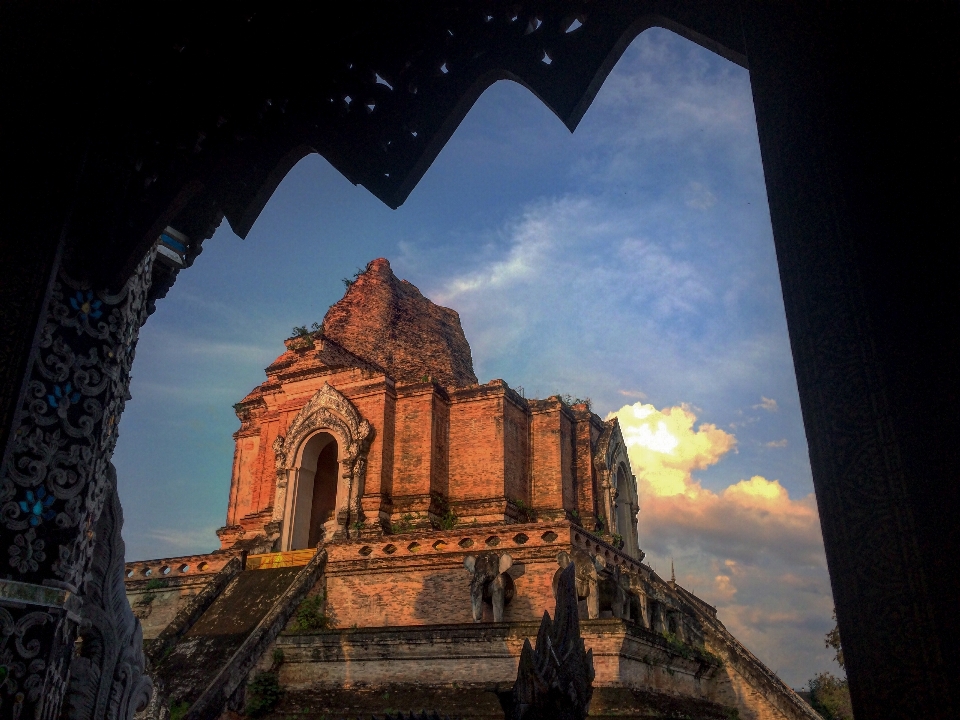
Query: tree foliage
(832, 640)
(311, 616)
(829, 695)
(263, 694)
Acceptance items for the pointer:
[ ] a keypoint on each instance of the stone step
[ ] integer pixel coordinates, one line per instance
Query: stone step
(211, 661)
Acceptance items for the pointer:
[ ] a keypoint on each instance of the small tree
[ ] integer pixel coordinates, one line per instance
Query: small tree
(263, 693)
(347, 282)
(310, 615)
(830, 695)
(525, 512)
(447, 518)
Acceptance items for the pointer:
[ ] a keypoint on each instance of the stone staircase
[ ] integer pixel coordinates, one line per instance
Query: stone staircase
(215, 647)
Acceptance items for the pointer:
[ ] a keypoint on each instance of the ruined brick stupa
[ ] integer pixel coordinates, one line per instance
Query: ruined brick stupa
(444, 511)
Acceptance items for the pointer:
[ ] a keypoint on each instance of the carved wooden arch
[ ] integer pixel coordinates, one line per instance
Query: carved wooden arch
(330, 411)
(142, 168)
(378, 106)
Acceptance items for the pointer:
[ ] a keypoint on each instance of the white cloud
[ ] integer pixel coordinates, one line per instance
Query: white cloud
(665, 448)
(684, 100)
(574, 296)
(768, 404)
(745, 520)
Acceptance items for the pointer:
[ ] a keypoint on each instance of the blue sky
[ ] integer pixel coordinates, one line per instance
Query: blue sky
(631, 262)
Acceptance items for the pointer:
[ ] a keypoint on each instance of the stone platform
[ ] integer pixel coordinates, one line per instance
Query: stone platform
(458, 669)
(477, 702)
(405, 639)
(624, 655)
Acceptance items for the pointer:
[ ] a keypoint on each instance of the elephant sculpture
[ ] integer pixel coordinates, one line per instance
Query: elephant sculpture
(615, 593)
(598, 586)
(587, 579)
(490, 582)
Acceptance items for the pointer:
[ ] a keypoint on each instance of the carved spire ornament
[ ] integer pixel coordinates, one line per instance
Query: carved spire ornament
(555, 678)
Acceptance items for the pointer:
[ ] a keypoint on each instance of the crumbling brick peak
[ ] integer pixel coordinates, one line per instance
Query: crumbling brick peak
(388, 321)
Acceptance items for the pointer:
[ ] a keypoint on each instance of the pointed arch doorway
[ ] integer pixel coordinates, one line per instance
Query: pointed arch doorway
(321, 467)
(317, 492)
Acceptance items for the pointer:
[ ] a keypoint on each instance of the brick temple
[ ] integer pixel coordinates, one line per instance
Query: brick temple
(377, 421)
(432, 516)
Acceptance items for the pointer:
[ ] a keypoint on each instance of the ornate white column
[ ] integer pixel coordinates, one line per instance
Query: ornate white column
(55, 480)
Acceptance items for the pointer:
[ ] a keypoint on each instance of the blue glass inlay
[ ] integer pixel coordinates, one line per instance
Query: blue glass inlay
(176, 245)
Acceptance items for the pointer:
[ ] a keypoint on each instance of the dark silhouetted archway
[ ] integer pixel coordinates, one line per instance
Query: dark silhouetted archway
(121, 120)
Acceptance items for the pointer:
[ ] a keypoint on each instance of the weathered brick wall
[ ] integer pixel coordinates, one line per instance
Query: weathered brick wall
(476, 444)
(486, 655)
(440, 449)
(585, 436)
(428, 656)
(376, 401)
(413, 449)
(266, 478)
(480, 654)
(435, 591)
(551, 458)
(567, 462)
(420, 579)
(157, 609)
(234, 485)
(516, 438)
(247, 452)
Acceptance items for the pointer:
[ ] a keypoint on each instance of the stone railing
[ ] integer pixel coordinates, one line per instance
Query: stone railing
(473, 540)
(207, 564)
(469, 540)
(599, 547)
(763, 679)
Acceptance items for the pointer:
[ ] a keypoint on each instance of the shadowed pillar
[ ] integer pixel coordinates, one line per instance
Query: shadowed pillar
(857, 125)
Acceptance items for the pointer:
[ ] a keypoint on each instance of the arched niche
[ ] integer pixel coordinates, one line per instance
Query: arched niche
(625, 509)
(617, 487)
(315, 494)
(309, 480)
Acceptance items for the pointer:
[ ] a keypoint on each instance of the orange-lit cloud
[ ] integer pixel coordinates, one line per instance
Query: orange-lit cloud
(752, 516)
(747, 548)
(665, 448)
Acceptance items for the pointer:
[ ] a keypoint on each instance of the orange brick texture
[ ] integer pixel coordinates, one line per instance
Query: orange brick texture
(439, 439)
(419, 578)
(389, 322)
